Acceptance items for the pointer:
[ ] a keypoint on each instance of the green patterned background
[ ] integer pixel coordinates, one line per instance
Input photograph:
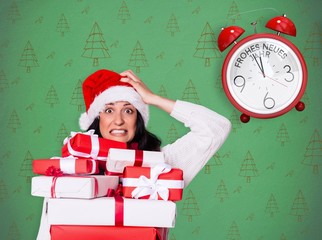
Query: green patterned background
(44, 58)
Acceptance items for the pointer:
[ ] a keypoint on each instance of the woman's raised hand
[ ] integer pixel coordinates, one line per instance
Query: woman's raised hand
(147, 95)
(130, 77)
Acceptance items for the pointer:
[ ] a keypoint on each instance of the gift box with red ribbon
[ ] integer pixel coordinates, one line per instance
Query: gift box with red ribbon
(160, 182)
(68, 232)
(67, 165)
(111, 211)
(118, 159)
(89, 145)
(66, 186)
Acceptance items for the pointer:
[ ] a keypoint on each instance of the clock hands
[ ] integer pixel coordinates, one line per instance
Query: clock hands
(261, 68)
(260, 65)
(277, 81)
(260, 58)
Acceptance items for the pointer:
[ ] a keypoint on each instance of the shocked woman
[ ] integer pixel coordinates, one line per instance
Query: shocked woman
(117, 109)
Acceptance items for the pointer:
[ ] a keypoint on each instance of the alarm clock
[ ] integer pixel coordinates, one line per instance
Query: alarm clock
(264, 75)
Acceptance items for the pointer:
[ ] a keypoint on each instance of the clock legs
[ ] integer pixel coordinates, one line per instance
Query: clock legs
(300, 106)
(244, 118)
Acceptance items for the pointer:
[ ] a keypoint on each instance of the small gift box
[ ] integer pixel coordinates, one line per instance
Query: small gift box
(67, 165)
(68, 232)
(89, 145)
(111, 211)
(159, 183)
(85, 187)
(118, 159)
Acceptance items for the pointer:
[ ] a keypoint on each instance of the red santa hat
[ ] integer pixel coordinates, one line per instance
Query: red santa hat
(104, 86)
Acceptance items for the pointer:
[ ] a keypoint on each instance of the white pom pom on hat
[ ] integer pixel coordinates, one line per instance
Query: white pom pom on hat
(104, 86)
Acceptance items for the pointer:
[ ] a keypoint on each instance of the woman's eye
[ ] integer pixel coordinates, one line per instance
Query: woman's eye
(108, 110)
(129, 111)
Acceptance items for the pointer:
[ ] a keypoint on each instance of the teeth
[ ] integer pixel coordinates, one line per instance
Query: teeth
(118, 131)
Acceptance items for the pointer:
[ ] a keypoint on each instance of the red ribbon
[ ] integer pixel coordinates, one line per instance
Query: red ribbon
(109, 173)
(138, 158)
(119, 210)
(53, 185)
(119, 204)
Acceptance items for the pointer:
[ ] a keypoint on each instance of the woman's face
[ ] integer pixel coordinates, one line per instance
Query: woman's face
(118, 121)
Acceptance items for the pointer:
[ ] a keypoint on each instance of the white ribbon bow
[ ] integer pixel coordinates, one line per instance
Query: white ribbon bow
(150, 186)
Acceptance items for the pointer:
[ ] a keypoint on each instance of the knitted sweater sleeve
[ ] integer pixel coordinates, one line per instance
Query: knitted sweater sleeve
(208, 131)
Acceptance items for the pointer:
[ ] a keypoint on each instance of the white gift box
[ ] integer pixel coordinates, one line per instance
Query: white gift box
(101, 211)
(118, 159)
(86, 187)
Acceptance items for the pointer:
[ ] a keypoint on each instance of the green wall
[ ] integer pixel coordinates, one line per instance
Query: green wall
(43, 62)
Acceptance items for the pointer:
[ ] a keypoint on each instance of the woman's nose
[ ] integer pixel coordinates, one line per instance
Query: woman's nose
(118, 119)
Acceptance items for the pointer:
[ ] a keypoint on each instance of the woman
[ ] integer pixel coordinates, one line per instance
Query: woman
(117, 108)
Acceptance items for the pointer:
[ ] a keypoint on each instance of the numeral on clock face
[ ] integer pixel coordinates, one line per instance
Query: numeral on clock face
(240, 82)
(291, 75)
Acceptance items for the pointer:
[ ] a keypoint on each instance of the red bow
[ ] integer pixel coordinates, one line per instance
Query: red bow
(53, 171)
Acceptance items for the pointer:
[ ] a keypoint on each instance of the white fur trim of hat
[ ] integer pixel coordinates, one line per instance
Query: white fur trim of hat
(113, 94)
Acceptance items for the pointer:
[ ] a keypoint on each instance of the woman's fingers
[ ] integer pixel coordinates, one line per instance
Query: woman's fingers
(130, 75)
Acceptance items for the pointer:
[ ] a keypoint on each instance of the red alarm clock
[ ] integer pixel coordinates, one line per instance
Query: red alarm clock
(264, 75)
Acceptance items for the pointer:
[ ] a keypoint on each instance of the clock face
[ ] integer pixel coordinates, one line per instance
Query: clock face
(264, 75)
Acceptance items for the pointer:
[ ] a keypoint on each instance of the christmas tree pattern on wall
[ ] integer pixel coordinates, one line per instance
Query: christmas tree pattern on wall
(221, 191)
(95, 47)
(3, 81)
(282, 135)
(172, 25)
(233, 13)
(300, 207)
(248, 168)
(172, 135)
(13, 14)
(214, 161)
(28, 58)
(138, 58)
(162, 92)
(77, 96)
(26, 167)
(235, 121)
(313, 153)
(13, 232)
(190, 93)
(190, 206)
(124, 13)
(14, 121)
(233, 232)
(207, 46)
(52, 97)
(62, 25)
(313, 47)
(3, 191)
(271, 206)
(62, 134)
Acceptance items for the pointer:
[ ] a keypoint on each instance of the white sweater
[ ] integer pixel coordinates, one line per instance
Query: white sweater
(208, 131)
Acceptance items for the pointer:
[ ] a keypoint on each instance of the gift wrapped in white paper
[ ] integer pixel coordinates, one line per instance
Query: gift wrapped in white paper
(118, 159)
(101, 211)
(90, 186)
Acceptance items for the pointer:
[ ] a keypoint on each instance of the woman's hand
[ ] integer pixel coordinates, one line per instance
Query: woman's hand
(147, 95)
(130, 77)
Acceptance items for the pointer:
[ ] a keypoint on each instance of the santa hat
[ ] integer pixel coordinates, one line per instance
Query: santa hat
(104, 86)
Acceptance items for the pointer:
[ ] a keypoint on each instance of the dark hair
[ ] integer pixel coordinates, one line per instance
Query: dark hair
(145, 139)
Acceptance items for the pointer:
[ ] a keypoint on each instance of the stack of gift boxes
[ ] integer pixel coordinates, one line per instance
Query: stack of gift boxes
(135, 198)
